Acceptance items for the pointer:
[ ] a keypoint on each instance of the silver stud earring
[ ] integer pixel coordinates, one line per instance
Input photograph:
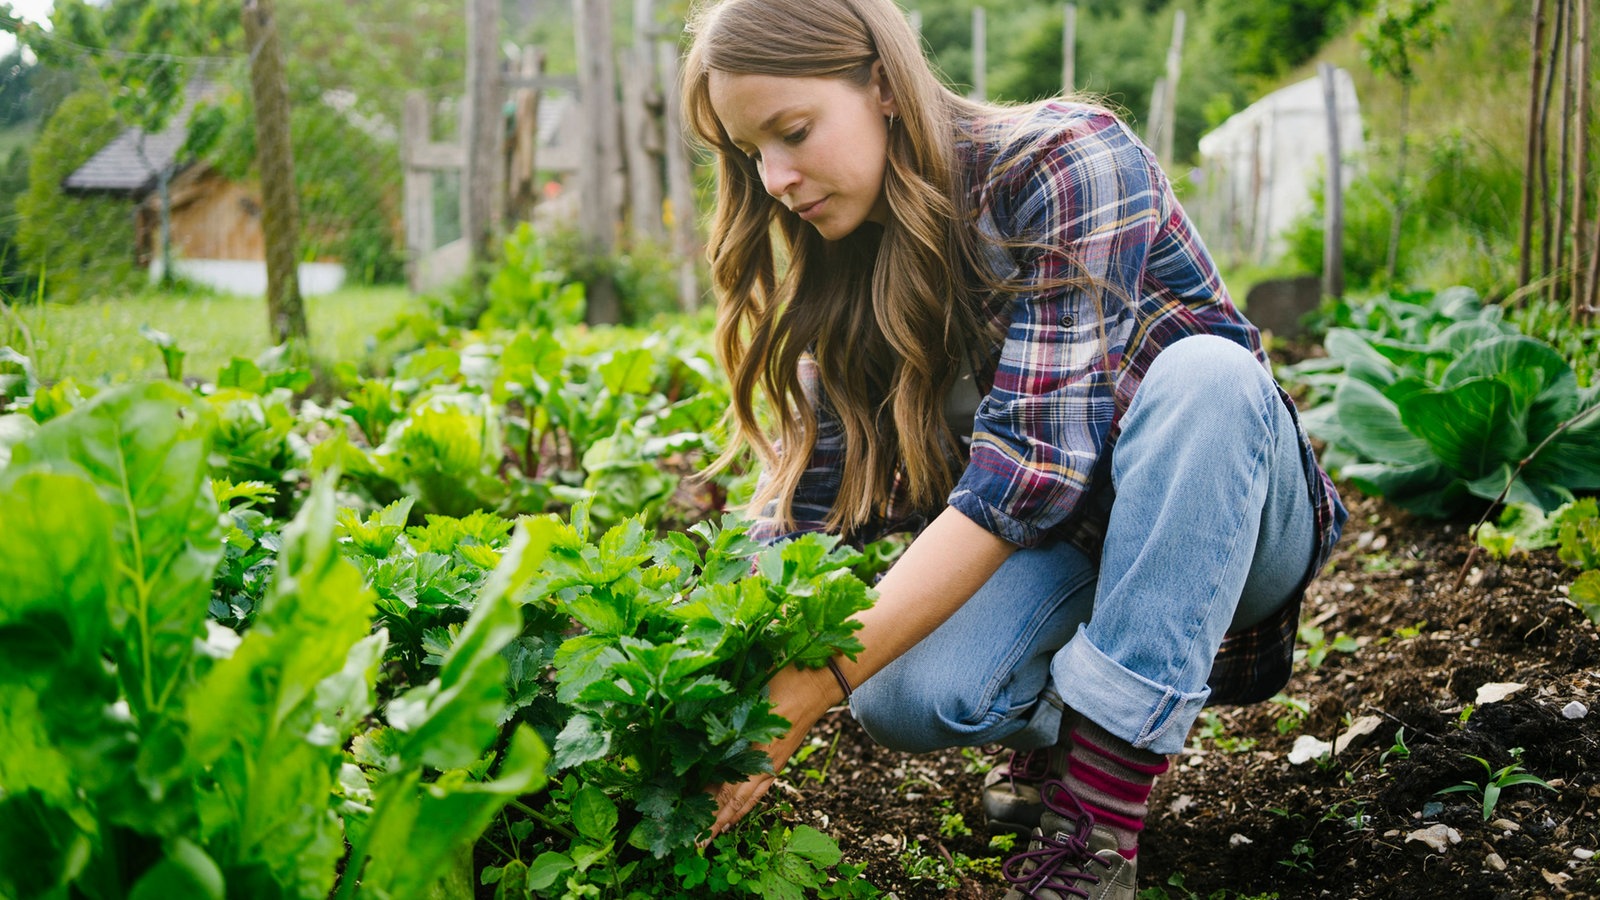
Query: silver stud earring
(891, 121)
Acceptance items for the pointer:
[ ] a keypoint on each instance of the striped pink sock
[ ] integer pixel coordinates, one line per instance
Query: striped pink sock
(1113, 780)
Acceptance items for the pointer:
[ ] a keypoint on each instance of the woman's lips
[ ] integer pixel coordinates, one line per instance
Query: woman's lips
(808, 211)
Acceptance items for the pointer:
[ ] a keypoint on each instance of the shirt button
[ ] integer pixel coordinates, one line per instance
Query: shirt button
(1067, 321)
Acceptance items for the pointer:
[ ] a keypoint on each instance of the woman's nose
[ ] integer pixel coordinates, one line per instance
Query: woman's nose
(777, 175)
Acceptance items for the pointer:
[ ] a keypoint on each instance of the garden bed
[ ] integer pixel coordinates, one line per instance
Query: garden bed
(1234, 815)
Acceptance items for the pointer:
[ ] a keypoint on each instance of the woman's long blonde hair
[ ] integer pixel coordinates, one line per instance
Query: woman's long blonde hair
(885, 312)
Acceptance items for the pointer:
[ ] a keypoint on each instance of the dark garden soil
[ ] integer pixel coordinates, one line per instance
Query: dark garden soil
(1235, 815)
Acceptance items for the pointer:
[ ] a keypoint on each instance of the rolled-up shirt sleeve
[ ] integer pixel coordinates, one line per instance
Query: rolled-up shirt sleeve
(1093, 197)
(814, 496)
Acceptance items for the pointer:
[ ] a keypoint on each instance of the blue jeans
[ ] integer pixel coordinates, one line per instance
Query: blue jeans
(1212, 529)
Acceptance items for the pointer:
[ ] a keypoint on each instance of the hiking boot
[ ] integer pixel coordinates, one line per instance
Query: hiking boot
(1069, 857)
(1011, 790)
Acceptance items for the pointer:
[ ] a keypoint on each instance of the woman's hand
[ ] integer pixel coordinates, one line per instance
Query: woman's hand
(944, 566)
(801, 696)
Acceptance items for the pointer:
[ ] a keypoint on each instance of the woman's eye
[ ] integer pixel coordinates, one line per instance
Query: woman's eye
(796, 136)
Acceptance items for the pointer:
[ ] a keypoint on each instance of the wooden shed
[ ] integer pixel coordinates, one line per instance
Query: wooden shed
(215, 222)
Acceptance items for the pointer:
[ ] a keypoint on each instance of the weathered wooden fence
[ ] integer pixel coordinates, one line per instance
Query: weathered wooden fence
(613, 129)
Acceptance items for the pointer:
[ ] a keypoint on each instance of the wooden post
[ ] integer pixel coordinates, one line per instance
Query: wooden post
(1534, 150)
(269, 89)
(1153, 122)
(522, 150)
(1333, 220)
(1561, 57)
(482, 197)
(980, 54)
(1069, 47)
(599, 209)
(1547, 233)
(1579, 63)
(680, 182)
(640, 98)
(418, 187)
(1169, 99)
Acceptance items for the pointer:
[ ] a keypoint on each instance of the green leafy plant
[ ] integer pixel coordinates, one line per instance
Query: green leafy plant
(1398, 749)
(1294, 713)
(1440, 419)
(1317, 646)
(1496, 781)
(242, 785)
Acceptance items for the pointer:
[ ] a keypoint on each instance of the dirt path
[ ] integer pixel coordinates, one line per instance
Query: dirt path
(1403, 650)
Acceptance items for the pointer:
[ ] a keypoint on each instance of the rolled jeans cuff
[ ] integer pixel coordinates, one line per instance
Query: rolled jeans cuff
(1147, 715)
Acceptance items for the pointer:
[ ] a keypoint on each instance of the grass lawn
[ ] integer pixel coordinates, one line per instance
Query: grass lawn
(99, 342)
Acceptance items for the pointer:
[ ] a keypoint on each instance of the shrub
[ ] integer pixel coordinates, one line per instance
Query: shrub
(84, 245)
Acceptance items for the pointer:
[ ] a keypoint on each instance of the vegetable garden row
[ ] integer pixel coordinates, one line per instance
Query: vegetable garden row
(468, 627)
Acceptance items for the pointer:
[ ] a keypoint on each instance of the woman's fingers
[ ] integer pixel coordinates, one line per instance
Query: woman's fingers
(735, 801)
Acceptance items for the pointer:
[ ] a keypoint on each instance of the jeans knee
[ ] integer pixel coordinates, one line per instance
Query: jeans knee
(1207, 370)
(905, 716)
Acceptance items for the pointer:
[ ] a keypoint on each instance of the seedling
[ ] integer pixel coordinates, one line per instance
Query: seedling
(1212, 729)
(1295, 712)
(1317, 646)
(1498, 780)
(952, 823)
(1398, 749)
(1301, 858)
(977, 761)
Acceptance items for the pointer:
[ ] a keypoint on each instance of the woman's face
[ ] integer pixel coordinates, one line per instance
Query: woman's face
(820, 144)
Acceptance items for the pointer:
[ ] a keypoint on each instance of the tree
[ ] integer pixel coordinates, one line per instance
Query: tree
(1269, 37)
(286, 314)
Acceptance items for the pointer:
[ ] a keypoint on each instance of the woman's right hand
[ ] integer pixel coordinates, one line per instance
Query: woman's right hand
(800, 695)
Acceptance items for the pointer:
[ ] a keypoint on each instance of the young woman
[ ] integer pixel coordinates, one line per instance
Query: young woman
(996, 326)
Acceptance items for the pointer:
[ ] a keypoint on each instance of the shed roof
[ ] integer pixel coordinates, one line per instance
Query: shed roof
(131, 163)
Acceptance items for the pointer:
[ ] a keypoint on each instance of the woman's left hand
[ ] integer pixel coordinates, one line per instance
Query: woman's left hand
(799, 695)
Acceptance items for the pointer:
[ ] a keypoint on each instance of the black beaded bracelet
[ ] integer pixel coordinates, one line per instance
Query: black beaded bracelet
(844, 684)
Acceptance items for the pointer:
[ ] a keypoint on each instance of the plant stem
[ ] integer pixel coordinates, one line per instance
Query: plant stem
(543, 819)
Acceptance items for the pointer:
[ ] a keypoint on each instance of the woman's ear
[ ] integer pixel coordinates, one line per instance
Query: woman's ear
(880, 83)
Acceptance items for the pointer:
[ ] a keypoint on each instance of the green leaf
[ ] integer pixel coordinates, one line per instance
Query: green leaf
(628, 372)
(593, 814)
(1371, 423)
(453, 717)
(1472, 426)
(186, 871)
(814, 846)
(42, 849)
(416, 828)
(267, 724)
(583, 739)
(145, 449)
(547, 868)
(1360, 360)
(1572, 459)
(1585, 592)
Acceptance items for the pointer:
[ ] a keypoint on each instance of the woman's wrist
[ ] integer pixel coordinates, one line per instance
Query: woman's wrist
(804, 695)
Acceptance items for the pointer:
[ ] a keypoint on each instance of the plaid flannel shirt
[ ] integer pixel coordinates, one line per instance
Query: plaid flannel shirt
(1055, 387)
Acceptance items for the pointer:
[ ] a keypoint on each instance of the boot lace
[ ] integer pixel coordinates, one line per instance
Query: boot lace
(1057, 862)
(1028, 766)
